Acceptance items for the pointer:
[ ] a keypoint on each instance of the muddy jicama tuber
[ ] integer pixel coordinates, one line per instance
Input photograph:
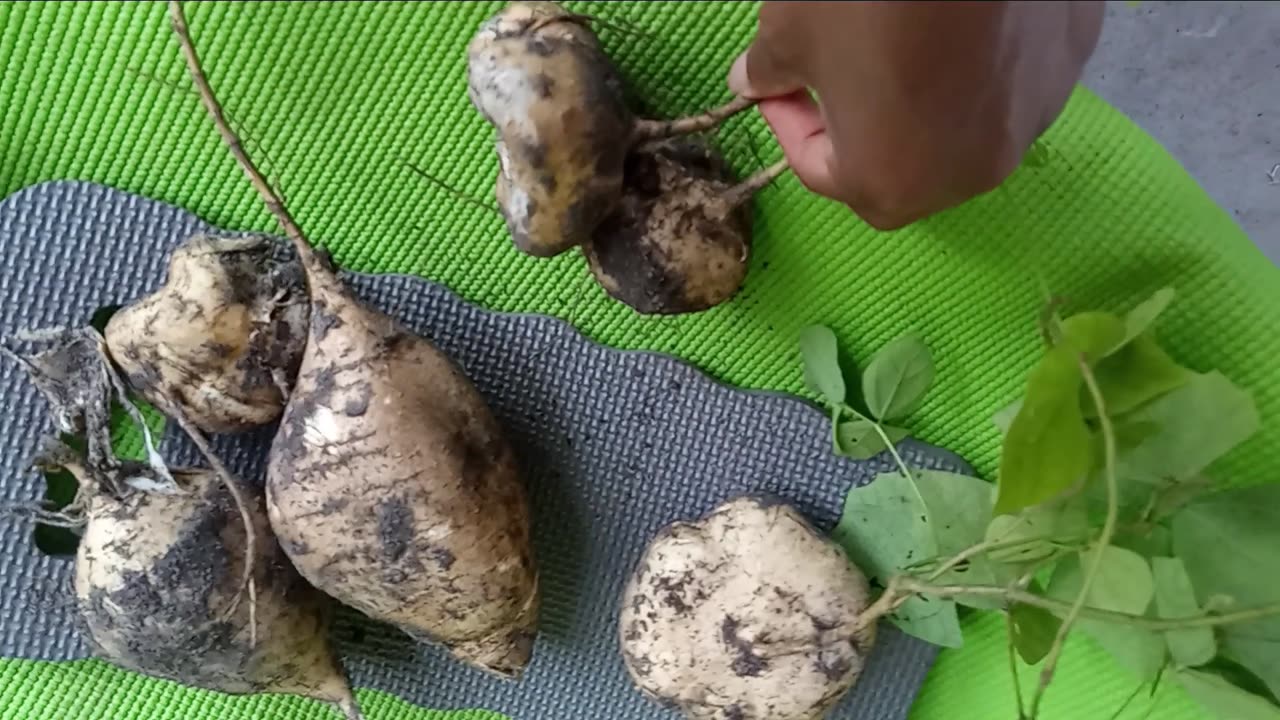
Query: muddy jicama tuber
(158, 589)
(220, 342)
(390, 484)
(538, 75)
(177, 573)
(747, 614)
(680, 240)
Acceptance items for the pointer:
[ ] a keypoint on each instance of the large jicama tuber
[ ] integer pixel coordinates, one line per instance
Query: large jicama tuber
(747, 614)
(390, 484)
(220, 342)
(538, 75)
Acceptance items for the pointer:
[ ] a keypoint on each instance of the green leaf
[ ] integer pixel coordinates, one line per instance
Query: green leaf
(897, 377)
(1047, 449)
(1156, 541)
(1197, 423)
(1036, 532)
(821, 355)
(959, 507)
(1005, 415)
(1229, 543)
(1143, 316)
(1140, 651)
(1176, 598)
(858, 439)
(1123, 582)
(891, 524)
(932, 620)
(1093, 334)
(1224, 700)
(885, 526)
(1138, 373)
(1034, 629)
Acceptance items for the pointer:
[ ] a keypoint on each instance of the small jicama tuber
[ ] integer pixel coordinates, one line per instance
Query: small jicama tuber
(747, 614)
(158, 587)
(538, 75)
(220, 343)
(680, 240)
(390, 484)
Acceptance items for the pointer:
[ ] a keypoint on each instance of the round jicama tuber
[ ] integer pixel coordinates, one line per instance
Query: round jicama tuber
(680, 240)
(159, 589)
(390, 484)
(220, 342)
(538, 75)
(747, 614)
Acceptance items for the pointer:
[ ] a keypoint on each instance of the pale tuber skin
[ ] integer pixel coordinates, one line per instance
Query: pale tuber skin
(221, 341)
(538, 75)
(394, 490)
(390, 484)
(745, 615)
(680, 241)
(158, 586)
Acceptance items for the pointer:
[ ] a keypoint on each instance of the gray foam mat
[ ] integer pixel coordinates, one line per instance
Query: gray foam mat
(613, 444)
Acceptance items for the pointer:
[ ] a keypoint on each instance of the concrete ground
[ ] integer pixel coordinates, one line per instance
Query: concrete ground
(1204, 79)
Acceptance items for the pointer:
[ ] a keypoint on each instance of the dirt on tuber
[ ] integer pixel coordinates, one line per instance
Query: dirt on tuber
(390, 484)
(221, 341)
(538, 74)
(747, 614)
(158, 587)
(680, 240)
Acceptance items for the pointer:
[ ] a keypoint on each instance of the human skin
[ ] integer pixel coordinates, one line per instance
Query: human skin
(919, 106)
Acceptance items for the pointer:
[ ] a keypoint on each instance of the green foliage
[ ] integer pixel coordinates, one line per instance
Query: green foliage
(1176, 598)
(1230, 544)
(1102, 521)
(1224, 699)
(897, 377)
(898, 521)
(1033, 631)
(821, 358)
(860, 439)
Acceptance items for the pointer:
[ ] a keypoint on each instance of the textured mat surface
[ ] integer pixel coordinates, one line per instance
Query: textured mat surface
(336, 94)
(614, 445)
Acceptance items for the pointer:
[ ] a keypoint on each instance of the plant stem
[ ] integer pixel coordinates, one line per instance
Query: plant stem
(913, 586)
(658, 129)
(1108, 532)
(178, 20)
(1013, 668)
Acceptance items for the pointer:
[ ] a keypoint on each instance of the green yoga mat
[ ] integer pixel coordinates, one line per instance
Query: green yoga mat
(335, 99)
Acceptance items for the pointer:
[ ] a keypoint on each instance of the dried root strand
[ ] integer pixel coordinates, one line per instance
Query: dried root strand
(310, 259)
(646, 130)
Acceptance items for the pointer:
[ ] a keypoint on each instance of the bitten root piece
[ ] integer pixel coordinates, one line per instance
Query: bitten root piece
(745, 615)
(680, 241)
(156, 574)
(221, 341)
(390, 484)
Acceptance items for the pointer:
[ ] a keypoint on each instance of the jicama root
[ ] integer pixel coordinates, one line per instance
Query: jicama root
(390, 484)
(158, 586)
(745, 615)
(220, 343)
(538, 75)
